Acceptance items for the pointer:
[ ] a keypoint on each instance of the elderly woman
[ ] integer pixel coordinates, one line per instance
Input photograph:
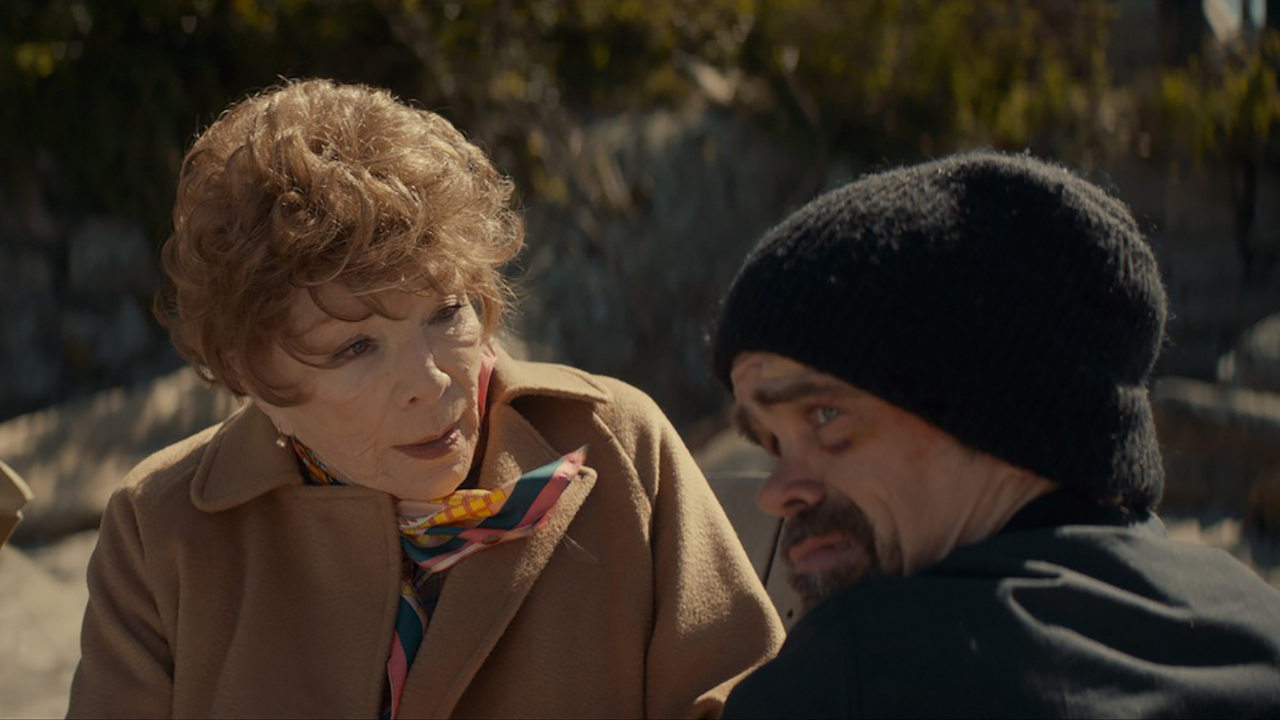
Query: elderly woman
(403, 520)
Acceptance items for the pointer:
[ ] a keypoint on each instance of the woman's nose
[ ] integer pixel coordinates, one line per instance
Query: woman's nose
(421, 378)
(791, 488)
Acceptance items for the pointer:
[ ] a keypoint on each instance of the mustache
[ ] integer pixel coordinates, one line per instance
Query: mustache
(834, 515)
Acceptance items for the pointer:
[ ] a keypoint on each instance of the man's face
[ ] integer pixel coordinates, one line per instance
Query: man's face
(866, 488)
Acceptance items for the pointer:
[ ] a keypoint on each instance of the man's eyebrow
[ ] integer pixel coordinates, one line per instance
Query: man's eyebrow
(799, 390)
(742, 423)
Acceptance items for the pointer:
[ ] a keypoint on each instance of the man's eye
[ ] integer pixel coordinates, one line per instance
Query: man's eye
(824, 414)
(770, 445)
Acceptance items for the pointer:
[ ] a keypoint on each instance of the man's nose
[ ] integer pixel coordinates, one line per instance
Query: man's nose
(790, 489)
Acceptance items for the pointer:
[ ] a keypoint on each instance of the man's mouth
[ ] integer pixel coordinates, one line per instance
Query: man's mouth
(820, 553)
(828, 548)
(434, 447)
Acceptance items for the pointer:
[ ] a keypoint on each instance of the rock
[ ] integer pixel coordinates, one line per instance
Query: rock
(25, 213)
(76, 314)
(28, 351)
(729, 452)
(110, 257)
(106, 338)
(1217, 442)
(1255, 361)
(26, 274)
(125, 336)
(1259, 554)
(74, 455)
(624, 272)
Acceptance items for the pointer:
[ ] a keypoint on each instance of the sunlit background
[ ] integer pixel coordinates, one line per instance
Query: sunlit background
(651, 141)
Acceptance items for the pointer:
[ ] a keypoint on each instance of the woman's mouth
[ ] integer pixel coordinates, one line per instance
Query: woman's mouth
(434, 448)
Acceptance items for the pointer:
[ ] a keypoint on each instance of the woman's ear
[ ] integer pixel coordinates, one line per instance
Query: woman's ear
(278, 415)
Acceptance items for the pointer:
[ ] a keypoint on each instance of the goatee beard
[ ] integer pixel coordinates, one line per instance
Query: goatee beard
(836, 514)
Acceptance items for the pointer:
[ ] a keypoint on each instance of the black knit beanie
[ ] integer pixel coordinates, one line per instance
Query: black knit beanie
(1005, 300)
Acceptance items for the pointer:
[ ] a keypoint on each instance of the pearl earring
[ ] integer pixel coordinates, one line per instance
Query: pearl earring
(281, 441)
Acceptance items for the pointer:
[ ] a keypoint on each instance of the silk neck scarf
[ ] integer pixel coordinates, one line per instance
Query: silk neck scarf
(437, 534)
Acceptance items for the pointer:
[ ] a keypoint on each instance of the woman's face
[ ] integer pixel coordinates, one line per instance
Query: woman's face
(391, 401)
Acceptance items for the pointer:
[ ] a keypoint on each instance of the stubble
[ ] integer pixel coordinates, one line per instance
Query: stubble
(836, 514)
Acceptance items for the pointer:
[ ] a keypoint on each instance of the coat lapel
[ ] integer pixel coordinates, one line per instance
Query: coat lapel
(255, 466)
(483, 593)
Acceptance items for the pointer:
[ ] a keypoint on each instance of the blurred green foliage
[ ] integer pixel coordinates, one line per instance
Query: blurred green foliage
(1220, 111)
(940, 74)
(1227, 104)
(103, 96)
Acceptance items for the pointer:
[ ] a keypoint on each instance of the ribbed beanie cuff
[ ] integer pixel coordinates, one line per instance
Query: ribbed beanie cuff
(1005, 300)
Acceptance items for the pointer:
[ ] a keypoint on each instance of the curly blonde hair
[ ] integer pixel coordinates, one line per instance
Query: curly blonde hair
(315, 182)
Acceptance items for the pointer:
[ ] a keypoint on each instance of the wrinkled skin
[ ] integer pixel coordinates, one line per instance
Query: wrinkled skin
(866, 487)
(390, 402)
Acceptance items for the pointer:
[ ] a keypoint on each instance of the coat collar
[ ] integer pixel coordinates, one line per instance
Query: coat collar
(513, 379)
(242, 461)
(482, 594)
(1066, 506)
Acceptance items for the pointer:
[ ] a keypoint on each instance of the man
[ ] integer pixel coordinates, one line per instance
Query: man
(949, 363)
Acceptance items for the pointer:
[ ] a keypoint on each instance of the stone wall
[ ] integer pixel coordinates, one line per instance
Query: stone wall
(1187, 215)
(75, 298)
(625, 280)
(623, 267)
(1218, 443)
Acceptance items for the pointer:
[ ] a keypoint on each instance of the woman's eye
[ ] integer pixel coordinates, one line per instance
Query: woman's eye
(824, 414)
(357, 348)
(446, 313)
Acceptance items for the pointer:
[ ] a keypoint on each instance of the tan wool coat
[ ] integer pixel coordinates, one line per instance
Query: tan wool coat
(224, 586)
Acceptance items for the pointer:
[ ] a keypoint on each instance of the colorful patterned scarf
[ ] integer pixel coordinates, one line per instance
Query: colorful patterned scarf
(438, 534)
(471, 521)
